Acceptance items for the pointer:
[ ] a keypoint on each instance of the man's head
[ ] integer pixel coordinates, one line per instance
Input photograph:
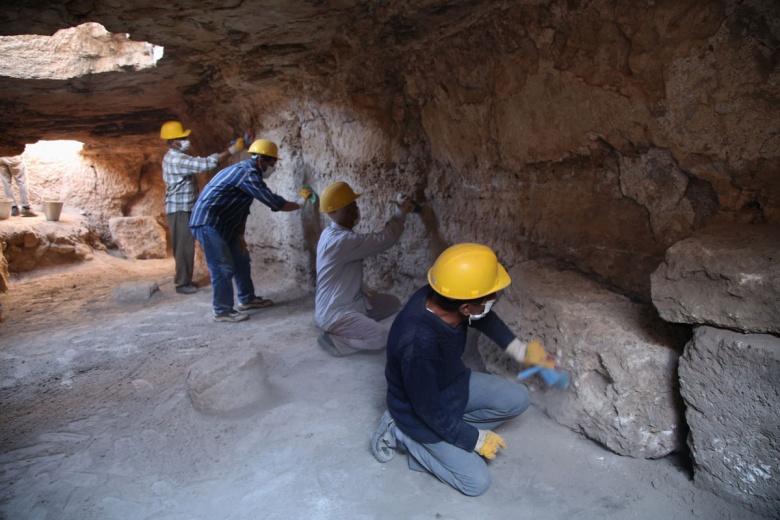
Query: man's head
(338, 201)
(265, 153)
(466, 278)
(176, 135)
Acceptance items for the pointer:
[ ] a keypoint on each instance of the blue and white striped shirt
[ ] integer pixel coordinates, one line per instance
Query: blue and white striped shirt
(225, 201)
(181, 187)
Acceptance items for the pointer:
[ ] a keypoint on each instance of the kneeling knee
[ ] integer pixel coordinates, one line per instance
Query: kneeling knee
(477, 485)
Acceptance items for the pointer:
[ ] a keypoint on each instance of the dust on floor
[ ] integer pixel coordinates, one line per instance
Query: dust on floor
(97, 424)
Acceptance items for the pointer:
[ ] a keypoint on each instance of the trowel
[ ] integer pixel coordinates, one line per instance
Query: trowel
(313, 197)
(553, 377)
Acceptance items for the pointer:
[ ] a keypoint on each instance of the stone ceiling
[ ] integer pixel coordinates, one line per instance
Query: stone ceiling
(215, 52)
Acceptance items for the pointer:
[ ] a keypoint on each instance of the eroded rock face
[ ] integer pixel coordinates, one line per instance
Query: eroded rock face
(621, 357)
(34, 242)
(138, 237)
(579, 133)
(730, 385)
(724, 276)
(3, 268)
(588, 135)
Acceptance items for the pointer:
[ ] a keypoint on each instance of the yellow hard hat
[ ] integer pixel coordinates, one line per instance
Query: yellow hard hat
(173, 130)
(467, 272)
(264, 147)
(336, 196)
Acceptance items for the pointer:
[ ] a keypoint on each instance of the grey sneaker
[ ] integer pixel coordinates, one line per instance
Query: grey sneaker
(255, 303)
(186, 289)
(383, 443)
(326, 342)
(27, 212)
(14, 211)
(231, 316)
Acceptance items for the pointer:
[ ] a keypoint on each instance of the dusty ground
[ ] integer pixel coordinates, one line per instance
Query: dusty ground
(97, 424)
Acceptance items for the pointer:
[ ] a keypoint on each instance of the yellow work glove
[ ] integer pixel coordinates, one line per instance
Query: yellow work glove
(536, 355)
(305, 193)
(488, 443)
(237, 146)
(530, 354)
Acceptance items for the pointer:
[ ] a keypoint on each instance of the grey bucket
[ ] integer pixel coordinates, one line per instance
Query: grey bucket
(5, 209)
(52, 209)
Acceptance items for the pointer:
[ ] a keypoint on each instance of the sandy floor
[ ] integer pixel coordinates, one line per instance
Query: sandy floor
(97, 423)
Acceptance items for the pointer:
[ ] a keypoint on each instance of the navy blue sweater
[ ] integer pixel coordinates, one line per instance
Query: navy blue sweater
(427, 382)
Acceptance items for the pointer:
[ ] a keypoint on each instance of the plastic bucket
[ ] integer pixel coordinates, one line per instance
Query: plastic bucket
(5, 209)
(52, 209)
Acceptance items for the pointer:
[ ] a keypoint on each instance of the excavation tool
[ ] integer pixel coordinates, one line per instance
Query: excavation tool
(553, 377)
(399, 200)
(312, 196)
(249, 137)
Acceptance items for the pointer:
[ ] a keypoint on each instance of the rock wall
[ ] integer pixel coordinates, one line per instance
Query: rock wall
(587, 136)
(621, 357)
(568, 133)
(722, 278)
(583, 134)
(98, 186)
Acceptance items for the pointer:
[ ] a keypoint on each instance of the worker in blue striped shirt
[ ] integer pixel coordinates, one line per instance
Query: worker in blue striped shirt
(218, 220)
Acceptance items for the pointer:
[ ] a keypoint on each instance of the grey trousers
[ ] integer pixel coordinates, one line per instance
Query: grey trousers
(492, 401)
(183, 247)
(15, 168)
(355, 331)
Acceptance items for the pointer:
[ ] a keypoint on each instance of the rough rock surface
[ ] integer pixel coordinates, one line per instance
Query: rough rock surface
(730, 385)
(134, 292)
(724, 276)
(583, 133)
(33, 242)
(621, 357)
(138, 237)
(588, 135)
(230, 383)
(3, 268)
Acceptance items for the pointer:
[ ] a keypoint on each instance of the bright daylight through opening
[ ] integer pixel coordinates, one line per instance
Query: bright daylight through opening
(74, 52)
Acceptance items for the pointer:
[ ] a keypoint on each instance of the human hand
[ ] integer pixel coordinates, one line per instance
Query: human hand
(488, 444)
(404, 203)
(531, 354)
(237, 146)
(243, 246)
(536, 355)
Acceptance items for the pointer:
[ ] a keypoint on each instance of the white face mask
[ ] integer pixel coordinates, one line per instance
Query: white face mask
(184, 145)
(269, 171)
(475, 317)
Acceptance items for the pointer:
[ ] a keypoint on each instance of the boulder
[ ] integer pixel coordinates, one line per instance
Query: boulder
(622, 360)
(135, 292)
(35, 242)
(230, 382)
(138, 237)
(726, 276)
(730, 383)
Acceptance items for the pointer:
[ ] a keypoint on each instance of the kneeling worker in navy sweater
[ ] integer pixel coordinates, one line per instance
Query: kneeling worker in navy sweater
(439, 411)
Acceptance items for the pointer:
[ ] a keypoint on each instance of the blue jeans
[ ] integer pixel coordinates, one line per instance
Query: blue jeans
(492, 401)
(225, 261)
